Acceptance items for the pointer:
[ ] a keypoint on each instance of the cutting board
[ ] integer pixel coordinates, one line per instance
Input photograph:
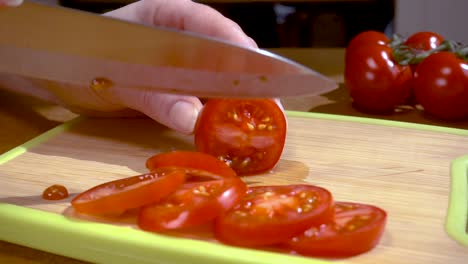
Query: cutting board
(417, 173)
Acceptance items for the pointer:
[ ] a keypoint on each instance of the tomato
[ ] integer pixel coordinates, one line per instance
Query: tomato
(249, 135)
(190, 159)
(272, 214)
(441, 86)
(419, 43)
(375, 82)
(423, 41)
(194, 204)
(115, 197)
(366, 38)
(356, 229)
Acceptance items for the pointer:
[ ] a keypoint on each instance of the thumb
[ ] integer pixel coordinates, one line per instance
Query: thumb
(175, 111)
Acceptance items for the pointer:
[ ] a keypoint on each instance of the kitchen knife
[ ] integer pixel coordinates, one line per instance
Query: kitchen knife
(71, 46)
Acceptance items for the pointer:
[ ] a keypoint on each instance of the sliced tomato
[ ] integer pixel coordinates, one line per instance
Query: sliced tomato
(115, 197)
(193, 204)
(248, 135)
(190, 159)
(357, 228)
(272, 214)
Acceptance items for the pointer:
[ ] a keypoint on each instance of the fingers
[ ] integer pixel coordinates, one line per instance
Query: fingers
(177, 112)
(185, 15)
(10, 2)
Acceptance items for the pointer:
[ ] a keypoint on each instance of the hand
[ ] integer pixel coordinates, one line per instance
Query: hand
(175, 111)
(10, 2)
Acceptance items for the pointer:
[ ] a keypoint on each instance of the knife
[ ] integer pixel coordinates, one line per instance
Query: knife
(77, 47)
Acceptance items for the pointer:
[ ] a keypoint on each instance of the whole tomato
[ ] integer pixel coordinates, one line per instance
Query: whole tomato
(366, 38)
(375, 81)
(424, 40)
(441, 86)
(419, 43)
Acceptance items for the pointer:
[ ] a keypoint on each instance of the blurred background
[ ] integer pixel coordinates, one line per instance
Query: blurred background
(323, 23)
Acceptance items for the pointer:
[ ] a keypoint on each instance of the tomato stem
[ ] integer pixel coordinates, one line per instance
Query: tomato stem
(404, 55)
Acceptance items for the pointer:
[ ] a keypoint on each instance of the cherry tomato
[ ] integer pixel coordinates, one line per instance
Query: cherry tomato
(115, 197)
(418, 43)
(423, 41)
(357, 228)
(366, 38)
(376, 83)
(248, 135)
(441, 86)
(194, 204)
(190, 159)
(272, 214)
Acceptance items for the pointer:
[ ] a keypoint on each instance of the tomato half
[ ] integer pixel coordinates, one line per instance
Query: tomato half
(115, 197)
(441, 86)
(272, 214)
(357, 228)
(190, 159)
(194, 204)
(375, 82)
(249, 135)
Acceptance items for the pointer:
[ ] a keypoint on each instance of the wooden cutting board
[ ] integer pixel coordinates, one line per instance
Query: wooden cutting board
(406, 169)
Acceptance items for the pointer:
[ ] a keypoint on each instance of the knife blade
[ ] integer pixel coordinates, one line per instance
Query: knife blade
(76, 47)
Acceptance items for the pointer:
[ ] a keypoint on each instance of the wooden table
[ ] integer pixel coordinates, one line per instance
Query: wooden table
(23, 118)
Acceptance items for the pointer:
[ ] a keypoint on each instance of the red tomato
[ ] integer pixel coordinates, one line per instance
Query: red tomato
(376, 83)
(441, 86)
(190, 159)
(248, 135)
(423, 41)
(366, 38)
(272, 214)
(418, 43)
(194, 204)
(357, 228)
(115, 197)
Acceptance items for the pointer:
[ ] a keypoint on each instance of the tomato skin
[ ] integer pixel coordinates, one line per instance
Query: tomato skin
(249, 135)
(190, 159)
(357, 228)
(366, 38)
(268, 215)
(115, 197)
(194, 204)
(441, 86)
(424, 41)
(375, 82)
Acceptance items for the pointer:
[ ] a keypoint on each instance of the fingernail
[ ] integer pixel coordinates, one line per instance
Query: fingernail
(253, 43)
(184, 116)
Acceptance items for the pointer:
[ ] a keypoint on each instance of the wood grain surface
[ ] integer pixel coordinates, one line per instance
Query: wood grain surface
(23, 118)
(405, 171)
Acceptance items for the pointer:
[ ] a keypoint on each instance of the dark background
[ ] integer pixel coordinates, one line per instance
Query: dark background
(311, 24)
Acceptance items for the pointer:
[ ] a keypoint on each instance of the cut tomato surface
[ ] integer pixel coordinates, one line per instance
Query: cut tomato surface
(190, 159)
(356, 229)
(272, 214)
(115, 197)
(193, 204)
(249, 135)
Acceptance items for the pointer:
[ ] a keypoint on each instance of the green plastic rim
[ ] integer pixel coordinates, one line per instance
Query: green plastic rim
(105, 243)
(457, 216)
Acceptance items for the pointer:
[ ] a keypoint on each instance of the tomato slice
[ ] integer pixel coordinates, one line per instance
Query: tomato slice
(272, 214)
(194, 204)
(190, 159)
(115, 197)
(357, 228)
(248, 135)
